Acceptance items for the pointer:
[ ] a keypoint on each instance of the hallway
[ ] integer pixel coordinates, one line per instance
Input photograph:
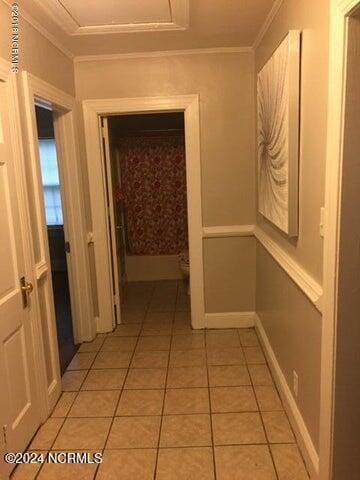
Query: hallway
(163, 401)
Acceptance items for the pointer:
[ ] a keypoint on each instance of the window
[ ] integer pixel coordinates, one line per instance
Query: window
(50, 180)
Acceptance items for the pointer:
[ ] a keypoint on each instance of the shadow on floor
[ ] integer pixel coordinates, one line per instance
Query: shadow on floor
(67, 348)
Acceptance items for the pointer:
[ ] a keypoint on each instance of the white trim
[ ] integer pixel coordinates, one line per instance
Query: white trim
(79, 272)
(42, 30)
(49, 94)
(229, 320)
(80, 287)
(302, 434)
(268, 21)
(179, 20)
(339, 10)
(189, 104)
(41, 265)
(229, 231)
(310, 287)
(161, 53)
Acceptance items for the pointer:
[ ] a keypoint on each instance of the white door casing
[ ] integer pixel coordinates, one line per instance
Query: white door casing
(19, 401)
(339, 11)
(40, 252)
(93, 109)
(63, 105)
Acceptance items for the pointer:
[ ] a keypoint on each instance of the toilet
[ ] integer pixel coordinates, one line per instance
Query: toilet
(184, 264)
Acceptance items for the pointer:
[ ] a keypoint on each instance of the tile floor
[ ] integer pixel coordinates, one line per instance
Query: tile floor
(163, 402)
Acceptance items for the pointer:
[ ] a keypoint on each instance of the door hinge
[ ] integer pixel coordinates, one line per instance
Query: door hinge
(67, 247)
(5, 434)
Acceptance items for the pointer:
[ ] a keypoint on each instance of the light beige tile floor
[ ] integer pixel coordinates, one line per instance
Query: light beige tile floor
(162, 401)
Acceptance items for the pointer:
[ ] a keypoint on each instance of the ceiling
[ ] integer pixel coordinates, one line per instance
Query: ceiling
(93, 12)
(96, 17)
(95, 27)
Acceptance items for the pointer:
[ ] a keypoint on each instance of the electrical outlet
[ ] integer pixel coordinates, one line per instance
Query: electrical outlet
(295, 383)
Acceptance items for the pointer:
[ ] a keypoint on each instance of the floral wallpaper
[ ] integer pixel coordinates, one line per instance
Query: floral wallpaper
(153, 178)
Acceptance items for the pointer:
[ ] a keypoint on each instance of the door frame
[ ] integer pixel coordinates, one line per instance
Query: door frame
(339, 12)
(63, 105)
(92, 110)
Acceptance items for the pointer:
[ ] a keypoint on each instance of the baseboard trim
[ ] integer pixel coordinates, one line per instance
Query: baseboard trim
(229, 320)
(305, 443)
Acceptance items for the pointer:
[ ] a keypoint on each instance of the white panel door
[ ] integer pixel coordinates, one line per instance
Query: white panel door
(19, 404)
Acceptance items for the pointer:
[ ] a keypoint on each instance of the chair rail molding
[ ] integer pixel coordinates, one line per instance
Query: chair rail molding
(309, 286)
(223, 231)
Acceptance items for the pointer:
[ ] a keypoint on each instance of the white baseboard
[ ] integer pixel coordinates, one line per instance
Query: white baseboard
(229, 320)
(305, 443)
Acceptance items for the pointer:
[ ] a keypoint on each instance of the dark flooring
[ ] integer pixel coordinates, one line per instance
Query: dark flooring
(67, 348)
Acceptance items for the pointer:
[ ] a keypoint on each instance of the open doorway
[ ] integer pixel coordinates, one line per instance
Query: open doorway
(96, 115)
(146, 171)
(58, 246)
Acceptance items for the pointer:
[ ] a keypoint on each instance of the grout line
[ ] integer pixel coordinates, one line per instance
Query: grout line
(210, 409)
(120, 395)
(146, 310)
(164, 397)
(263, 424)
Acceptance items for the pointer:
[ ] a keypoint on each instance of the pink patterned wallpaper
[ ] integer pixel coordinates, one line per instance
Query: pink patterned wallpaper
(153, 174)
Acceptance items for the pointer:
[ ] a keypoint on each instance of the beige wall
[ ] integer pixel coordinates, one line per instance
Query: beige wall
(141, 268)
(37, 54)
(293, 327)
(229, 266)
(225, 83)
(291, 322)
(312, 19)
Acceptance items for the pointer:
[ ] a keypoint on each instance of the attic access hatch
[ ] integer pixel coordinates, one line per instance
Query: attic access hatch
(91, 17)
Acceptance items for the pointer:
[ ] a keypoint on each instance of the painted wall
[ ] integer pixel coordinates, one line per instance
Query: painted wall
(230, 274)
(312, 19)
(293, 327)
(37, 54)
(291, 322)
(152, 267)
(225, 85)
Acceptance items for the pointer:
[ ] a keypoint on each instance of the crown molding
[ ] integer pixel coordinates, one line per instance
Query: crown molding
(163, 53)
(179, 15)
(268, 21)
(42, 30)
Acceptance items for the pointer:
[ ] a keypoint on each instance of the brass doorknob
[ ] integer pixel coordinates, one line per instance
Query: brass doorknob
(28, 287)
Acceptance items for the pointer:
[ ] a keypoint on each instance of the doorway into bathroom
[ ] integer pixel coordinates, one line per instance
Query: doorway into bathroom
(145, 168)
